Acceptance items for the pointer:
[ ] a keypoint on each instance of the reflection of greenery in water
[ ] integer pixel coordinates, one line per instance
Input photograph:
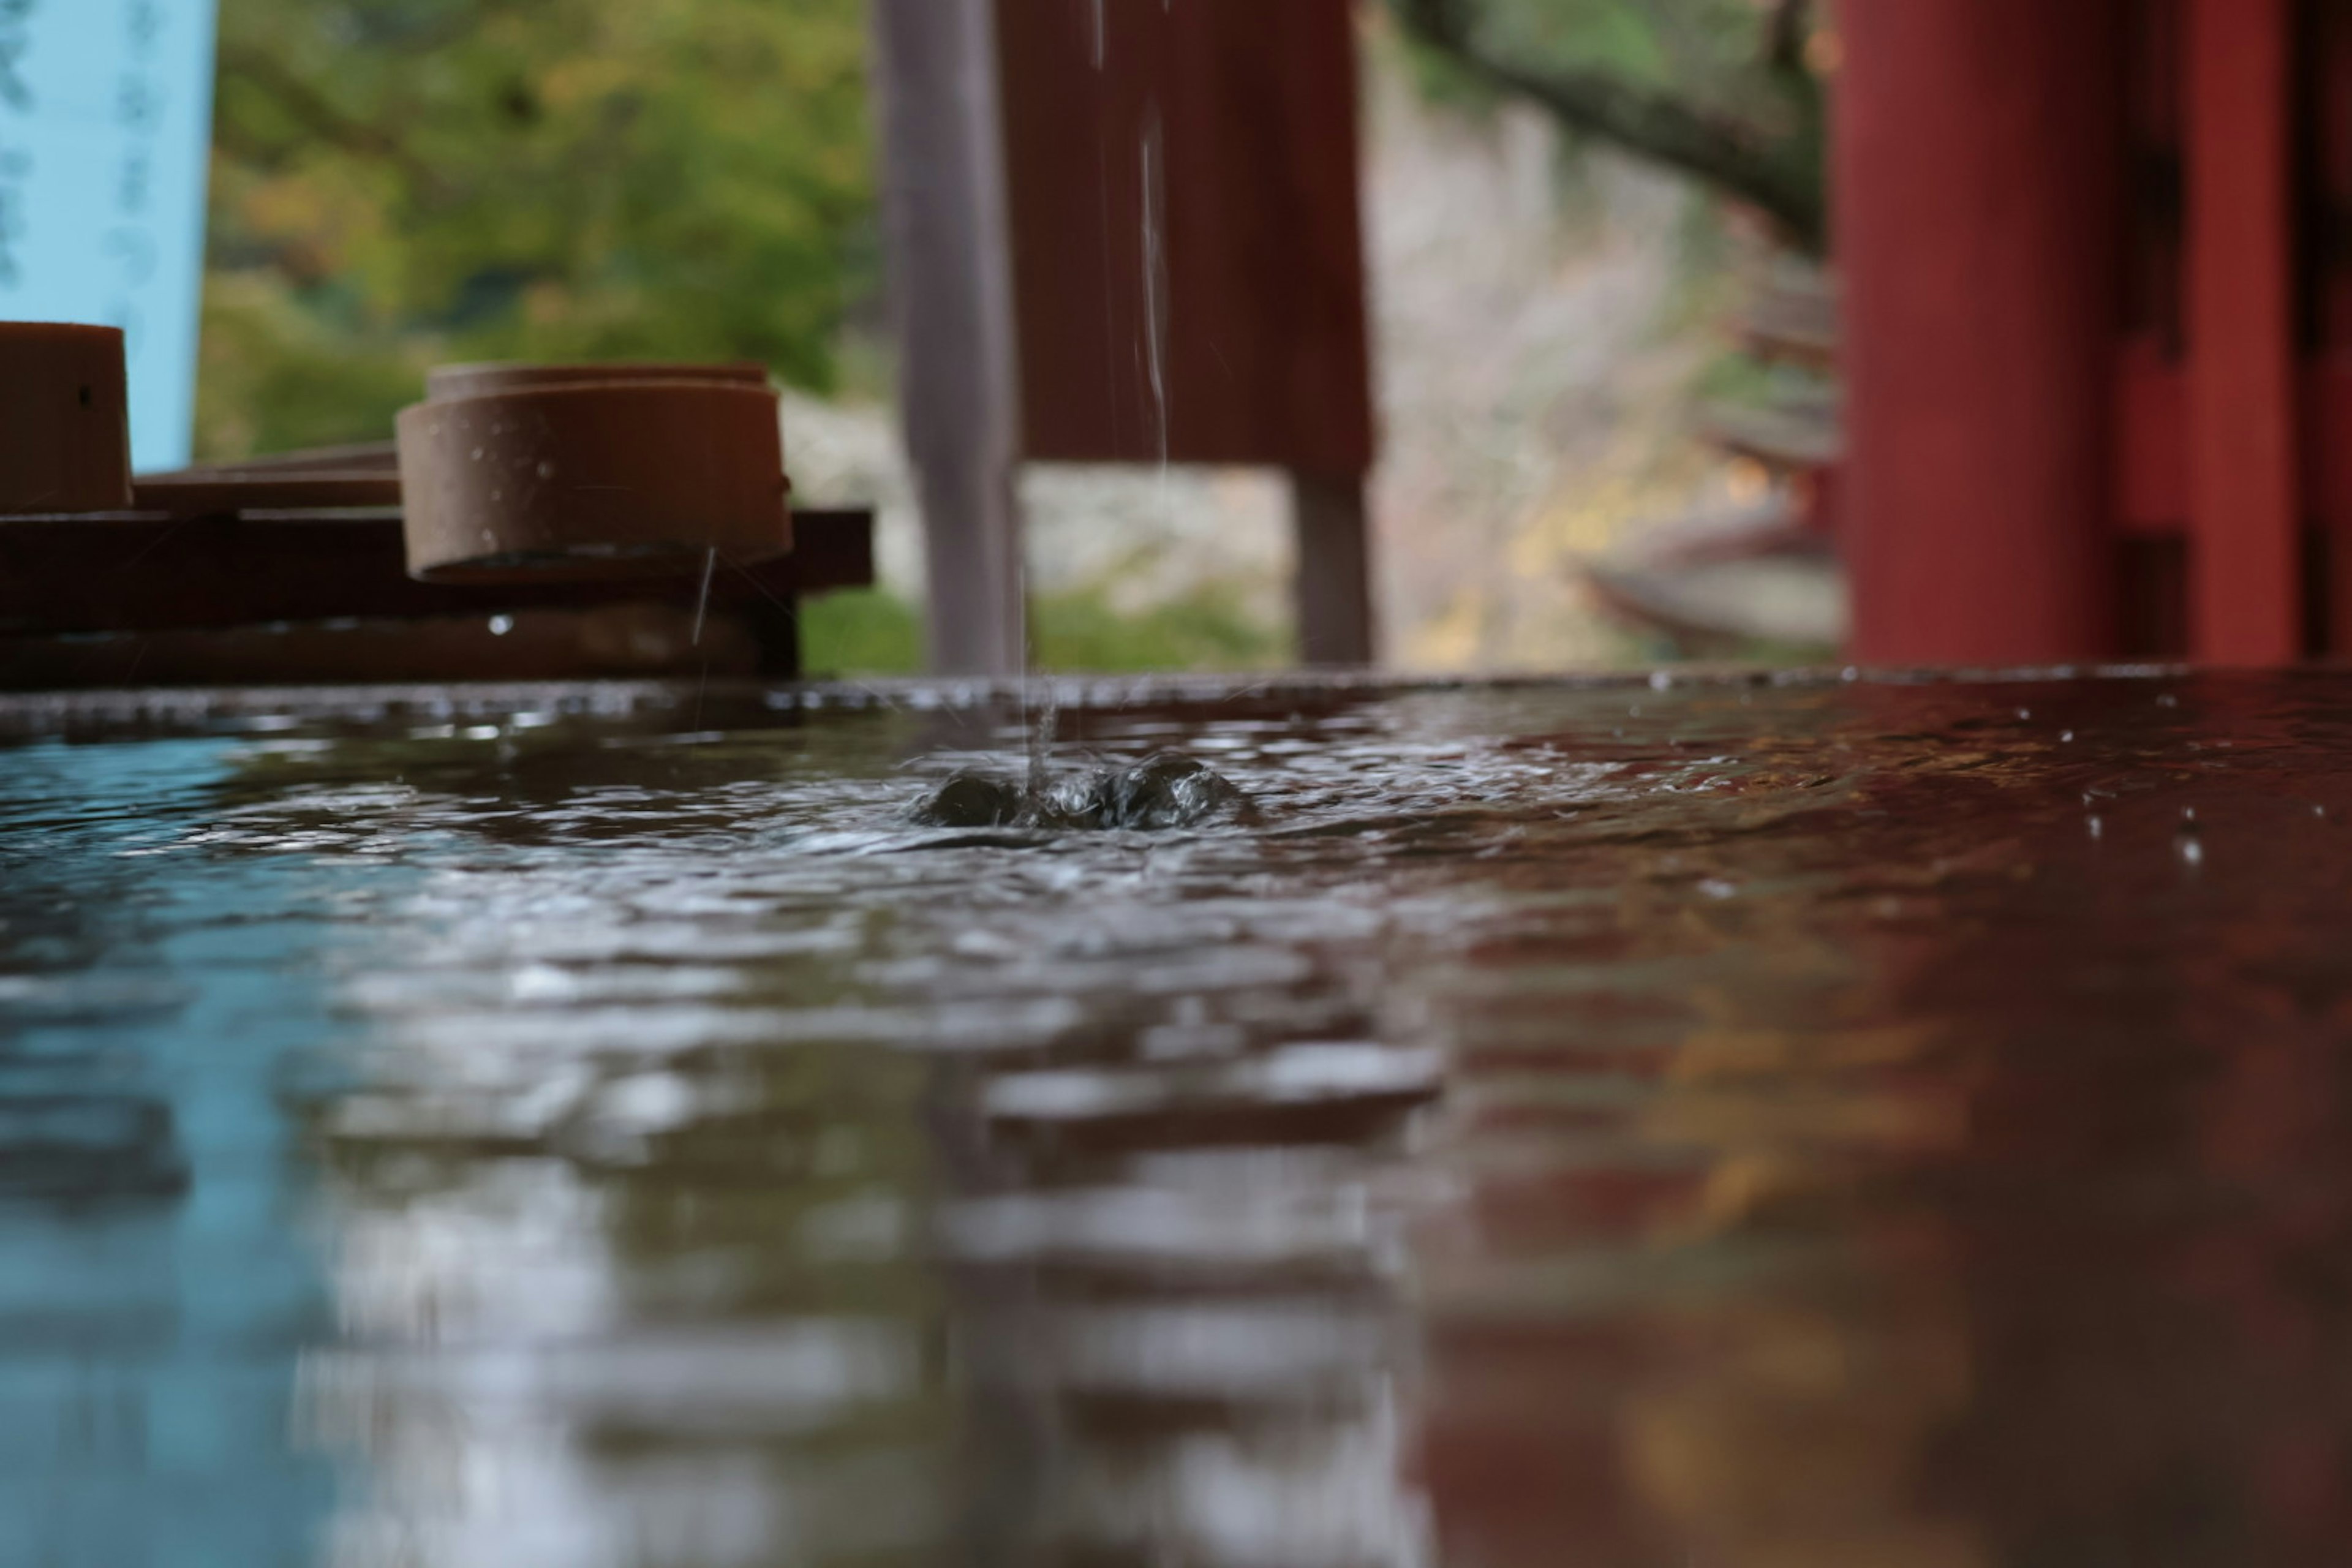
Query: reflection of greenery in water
(1206, 628)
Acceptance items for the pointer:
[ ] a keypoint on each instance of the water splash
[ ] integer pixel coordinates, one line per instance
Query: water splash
(1042, 736)
(1165, 790)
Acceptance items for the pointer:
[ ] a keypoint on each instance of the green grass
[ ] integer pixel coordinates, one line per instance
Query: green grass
(864, 632)
(871, 632)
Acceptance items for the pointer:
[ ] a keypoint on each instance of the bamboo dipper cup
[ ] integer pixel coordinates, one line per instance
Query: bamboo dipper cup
(548, 472)
(65, 420)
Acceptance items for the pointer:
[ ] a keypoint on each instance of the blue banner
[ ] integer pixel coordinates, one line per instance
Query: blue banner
(105, 138)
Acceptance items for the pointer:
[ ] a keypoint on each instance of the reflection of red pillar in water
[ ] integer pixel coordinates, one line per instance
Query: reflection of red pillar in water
(1520, 1446)
(1979, 144)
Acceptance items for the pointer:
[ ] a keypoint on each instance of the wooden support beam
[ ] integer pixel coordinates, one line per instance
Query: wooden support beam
(1334, 587)
(2246, 504)
(944, 205)
(143, 572)
(1187, 239)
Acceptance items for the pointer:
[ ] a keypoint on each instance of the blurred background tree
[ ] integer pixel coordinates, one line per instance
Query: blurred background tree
(398, 183)
(1724, 92)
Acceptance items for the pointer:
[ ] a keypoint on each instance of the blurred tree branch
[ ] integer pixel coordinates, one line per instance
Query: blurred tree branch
(1779, 177)
(314, 115)
(1785, 36)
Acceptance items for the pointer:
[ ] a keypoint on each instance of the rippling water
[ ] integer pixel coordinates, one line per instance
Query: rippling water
(1715, 1123)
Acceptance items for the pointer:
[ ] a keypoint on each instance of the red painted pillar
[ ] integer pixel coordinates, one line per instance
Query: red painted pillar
(2245, 511)
(1977, 168)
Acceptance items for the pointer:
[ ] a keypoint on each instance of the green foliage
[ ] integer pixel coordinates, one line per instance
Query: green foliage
(1711, 52)
(403, 182)
(1209, 627)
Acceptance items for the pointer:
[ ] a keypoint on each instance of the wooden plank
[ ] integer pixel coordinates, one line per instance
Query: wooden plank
(1187, 233)
(358, 456)
(609, 642)
(2245, 507)
(113, 572)
(291, 488)
(944, 209)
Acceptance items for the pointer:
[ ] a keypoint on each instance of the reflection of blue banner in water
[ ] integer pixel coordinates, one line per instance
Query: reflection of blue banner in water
(105, 128)
(158, 1285)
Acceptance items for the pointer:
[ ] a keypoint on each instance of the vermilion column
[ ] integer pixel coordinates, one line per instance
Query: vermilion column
(2245, 515)
(1978, 170)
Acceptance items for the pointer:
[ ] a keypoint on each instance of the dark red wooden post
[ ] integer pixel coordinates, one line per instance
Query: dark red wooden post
(1978, 152)
(2245, 509)
(1187, 265)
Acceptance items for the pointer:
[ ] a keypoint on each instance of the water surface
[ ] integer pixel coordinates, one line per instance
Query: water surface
(1833, 1122)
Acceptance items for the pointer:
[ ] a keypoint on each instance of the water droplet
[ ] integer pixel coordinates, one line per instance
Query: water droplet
(1850, 673)
(1715, 887)
(2188, 814)
(2098, 827)
(2192, 849)
(501, 625)
(2166, 700)
(478, 454)
(2066, 737)
(546, 471)
(1661, 681)
(2025, 713)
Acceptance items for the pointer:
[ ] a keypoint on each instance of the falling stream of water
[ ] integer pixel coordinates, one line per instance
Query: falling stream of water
(1154, 188)
(702, 595)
